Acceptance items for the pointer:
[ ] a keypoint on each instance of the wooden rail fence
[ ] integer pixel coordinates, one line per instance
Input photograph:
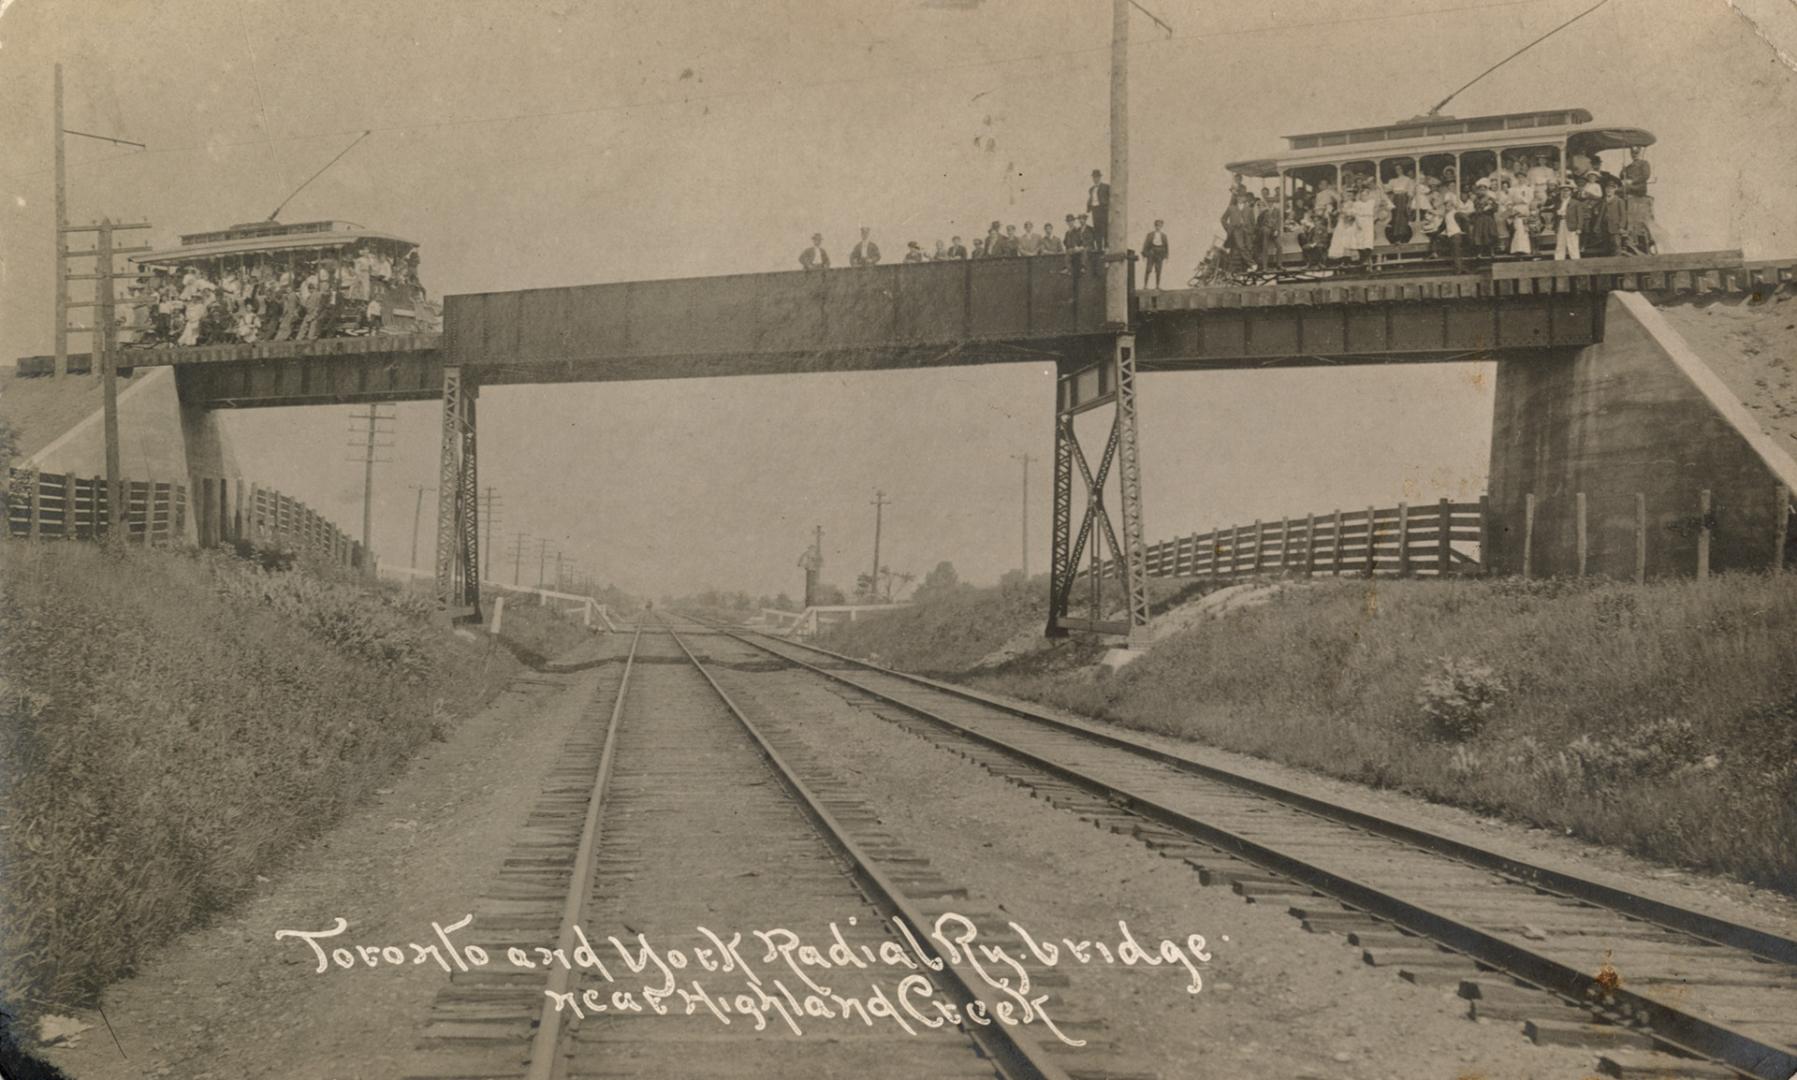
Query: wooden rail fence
(59, 506)
(56, 506)
(1405, 541)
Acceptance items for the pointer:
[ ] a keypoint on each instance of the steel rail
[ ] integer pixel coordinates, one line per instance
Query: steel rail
(545, 1059)
(1669, 1025)
(1017, 1055)
(1717, 931)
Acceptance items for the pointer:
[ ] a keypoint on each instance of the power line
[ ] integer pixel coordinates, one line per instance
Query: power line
(770, 89)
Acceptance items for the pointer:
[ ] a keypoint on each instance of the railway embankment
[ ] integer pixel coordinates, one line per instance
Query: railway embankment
(175, 724)
(1657, 719)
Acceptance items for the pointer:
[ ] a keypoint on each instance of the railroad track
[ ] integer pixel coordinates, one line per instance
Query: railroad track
(1654, 989)
(671, 811)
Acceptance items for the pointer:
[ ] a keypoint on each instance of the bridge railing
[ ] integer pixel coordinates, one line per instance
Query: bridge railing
(1426, 540)
(63, 506)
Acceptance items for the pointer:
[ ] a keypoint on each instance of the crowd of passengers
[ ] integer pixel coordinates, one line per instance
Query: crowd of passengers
(269, 299)
(1084, 234)
(1517, 206)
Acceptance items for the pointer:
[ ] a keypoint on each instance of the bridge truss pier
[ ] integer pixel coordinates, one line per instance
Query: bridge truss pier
(458, 501)
(1079, 388)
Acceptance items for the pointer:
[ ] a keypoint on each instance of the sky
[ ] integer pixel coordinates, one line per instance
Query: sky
(551, 142)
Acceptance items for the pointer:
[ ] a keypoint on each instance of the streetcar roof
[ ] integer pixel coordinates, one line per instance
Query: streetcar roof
(1444, 133)
(267, 237)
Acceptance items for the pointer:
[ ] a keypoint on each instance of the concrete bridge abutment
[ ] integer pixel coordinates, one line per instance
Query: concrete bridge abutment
(1642, 428)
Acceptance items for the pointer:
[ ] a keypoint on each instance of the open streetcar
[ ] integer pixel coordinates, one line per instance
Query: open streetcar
(274, 281)
(1435, 193)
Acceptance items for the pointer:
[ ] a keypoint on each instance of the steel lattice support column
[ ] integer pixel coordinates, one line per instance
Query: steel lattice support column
(1060, 565)
(1106, 380)
(458, 525)
(1129, 483)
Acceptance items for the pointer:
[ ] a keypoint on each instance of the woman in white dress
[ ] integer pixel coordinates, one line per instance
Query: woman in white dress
(1364, 212)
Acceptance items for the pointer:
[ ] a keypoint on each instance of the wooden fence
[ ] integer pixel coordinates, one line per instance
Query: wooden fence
(267, 517)
(58, 506)
(1405, 541)
(54, 506)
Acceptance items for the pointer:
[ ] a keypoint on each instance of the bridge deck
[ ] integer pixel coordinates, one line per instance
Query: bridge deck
(939, 314)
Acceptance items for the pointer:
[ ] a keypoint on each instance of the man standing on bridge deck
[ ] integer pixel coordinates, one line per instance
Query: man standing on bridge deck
(866, 253)
(1098, 206)
(1637, 204)
(956, 249)
(1154, 250)
(815, 257)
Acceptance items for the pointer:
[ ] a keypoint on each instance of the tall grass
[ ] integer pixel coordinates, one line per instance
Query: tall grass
(172, 723)
(1661, 718)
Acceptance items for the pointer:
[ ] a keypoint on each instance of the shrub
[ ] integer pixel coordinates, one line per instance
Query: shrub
(1457, 698)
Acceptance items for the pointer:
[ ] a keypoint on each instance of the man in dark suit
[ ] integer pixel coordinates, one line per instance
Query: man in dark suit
(866, 253)
(1098, 206)
(815, 257)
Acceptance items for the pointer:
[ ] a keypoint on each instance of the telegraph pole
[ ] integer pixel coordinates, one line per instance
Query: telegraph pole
(489, 513)
(1026, 459)
(518, 555)
(370, 442)
(1116, 281)
(542, 561)
(880, 503)
(417, 512)
(62, 241)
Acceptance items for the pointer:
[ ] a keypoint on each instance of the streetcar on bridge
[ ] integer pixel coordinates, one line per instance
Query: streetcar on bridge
(278, 281)
(1435, 193)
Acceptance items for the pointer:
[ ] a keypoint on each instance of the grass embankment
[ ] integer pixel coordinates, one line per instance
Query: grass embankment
(172, 724)
(1660, 719)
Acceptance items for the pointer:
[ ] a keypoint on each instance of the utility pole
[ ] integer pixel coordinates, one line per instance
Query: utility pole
(101, 330)
(369, 443)
(518, 555)
(1026, 459)
(542, 561)
(880, 503)
(417, 512)
(62, 241)
(1116, 281)
(559, 580)
(489, 515)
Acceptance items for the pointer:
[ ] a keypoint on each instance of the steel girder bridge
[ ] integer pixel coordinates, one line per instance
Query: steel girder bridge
(1045, 309)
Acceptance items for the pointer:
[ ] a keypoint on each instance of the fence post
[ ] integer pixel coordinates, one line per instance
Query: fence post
(1640, 538)
(1444, 553)
(1403, 539)
(1781, 518)
(1703, 535)
(1484, 534)
(1372, 567)
(1336, 544)
(1285, 544)
(1216, 554)
(1310, 545)
(1528, 534)
(32, 508)
(1235, 548)
(1260, 541)
(1578, 502)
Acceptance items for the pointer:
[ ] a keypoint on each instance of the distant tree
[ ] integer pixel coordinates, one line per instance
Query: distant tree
(828, 595)
(9, 444)
(783, 602)
(938, 583)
